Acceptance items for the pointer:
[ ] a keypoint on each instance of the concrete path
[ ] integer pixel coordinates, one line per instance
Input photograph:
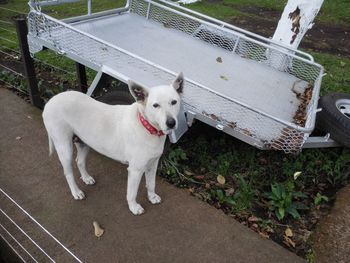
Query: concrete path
(332, 235)
(181, 229)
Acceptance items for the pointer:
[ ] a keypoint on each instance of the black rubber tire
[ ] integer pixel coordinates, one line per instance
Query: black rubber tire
(117, 97)
(331, 120)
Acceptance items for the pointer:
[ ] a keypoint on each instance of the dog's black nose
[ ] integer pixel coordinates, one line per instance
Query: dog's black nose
(170, 122)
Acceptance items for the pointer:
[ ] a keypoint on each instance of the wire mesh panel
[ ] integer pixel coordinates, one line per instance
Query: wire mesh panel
(258, 127)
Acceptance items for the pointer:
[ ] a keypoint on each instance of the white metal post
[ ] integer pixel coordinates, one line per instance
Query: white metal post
(89, 7)
(296, 19)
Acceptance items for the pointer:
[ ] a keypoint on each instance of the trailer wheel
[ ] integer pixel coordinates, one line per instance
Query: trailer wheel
(117, 97)
(335, 117)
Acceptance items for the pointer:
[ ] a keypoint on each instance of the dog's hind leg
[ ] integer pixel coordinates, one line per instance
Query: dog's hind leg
(64, 149)
(82, 152)
(150, 175)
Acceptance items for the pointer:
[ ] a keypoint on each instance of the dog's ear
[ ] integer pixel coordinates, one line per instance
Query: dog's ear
(179, 82)
(139, 92)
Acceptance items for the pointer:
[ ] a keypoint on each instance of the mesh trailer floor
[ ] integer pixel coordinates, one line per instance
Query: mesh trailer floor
(253, 89)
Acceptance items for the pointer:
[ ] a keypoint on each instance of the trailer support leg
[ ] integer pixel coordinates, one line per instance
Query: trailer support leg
(22, 31)
(81, 75)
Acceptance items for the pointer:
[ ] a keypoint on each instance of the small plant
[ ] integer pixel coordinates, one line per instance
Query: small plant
(222, 198)
(282, 200)
(310, 256)
(319, 198)
(244, 195)
(225, 161)
(177, 155)
(171, 164)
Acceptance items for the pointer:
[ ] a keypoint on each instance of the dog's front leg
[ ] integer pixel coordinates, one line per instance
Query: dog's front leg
(151, 182)
(134, 178)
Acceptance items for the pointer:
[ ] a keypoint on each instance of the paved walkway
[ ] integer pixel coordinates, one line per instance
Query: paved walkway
(332, 235)
(181, 229)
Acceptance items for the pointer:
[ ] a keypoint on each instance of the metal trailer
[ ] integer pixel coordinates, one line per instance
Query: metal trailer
(248, 86)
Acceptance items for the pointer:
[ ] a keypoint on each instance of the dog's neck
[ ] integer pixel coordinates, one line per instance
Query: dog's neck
(148, 126)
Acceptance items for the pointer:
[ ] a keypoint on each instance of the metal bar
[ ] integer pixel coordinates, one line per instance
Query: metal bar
(235, 133)
(233, 27)
(11, 10)
(320, 142)
(13, 87)
(8, 40)
(94, 83)
(11, 70)
(22, 31)
(148, 9)
(6, 22)
(18, 243)
(53, 2)
(10, 31)
(89, 7)
(95, 15)
(12, 248)
(24, 233)
(280, 48)
(81, 74)
(236, 44)
(43, 228)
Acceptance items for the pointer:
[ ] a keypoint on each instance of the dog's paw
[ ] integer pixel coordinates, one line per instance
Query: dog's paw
(78, 195)
(89, 180)
(154, 198)
(136, 209)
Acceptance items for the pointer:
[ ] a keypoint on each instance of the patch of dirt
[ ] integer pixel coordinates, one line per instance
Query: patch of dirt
(322, 37)
(265, 12)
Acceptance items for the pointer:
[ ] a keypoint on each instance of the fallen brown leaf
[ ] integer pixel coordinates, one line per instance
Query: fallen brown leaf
(223, 77)
(253, 219)
(188, 173)
(288, 232)
(221, 179)
(18, 138)
(98, 230)
(264, 235)
(269, 229)
(289, 242)
(199, 177)
(255, 226)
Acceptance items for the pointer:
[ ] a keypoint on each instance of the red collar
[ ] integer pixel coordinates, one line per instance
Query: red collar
(148, 126)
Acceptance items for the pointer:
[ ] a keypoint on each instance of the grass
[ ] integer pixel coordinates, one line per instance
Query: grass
(335, 11)
(338, 72)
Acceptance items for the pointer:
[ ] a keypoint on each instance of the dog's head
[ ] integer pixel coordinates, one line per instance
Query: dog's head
(161, 104)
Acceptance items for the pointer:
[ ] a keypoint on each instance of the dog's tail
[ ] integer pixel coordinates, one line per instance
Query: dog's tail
(51, 145)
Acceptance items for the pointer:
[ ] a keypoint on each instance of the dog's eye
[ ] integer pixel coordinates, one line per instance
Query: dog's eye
(156, 105)
(173, 102)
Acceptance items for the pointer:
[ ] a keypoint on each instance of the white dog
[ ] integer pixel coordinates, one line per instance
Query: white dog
(133, 134)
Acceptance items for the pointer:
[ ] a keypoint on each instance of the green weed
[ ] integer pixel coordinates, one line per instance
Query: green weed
(320, 199)
(282, 199)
